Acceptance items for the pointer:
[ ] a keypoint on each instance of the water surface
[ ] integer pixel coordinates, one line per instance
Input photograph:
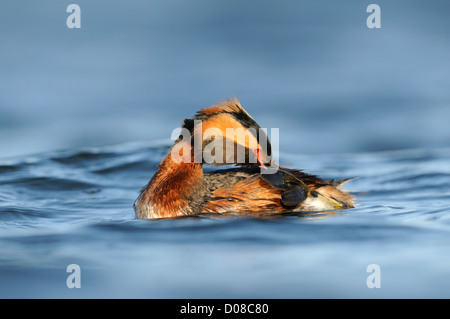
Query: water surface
(75, 207)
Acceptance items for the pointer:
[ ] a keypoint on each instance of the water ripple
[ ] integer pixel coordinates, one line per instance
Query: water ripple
(64, 206)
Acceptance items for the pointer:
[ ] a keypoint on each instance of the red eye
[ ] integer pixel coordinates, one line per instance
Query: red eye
(258, 156)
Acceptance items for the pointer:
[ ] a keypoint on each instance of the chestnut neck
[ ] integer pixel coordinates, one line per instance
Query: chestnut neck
(174, 187)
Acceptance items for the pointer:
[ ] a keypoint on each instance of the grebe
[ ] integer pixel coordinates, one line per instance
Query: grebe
(180, 187)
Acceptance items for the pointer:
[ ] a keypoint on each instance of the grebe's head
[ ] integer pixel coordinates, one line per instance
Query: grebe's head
(225, 134)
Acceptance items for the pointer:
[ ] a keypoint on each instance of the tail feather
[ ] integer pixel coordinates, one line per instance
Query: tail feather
(340, 184)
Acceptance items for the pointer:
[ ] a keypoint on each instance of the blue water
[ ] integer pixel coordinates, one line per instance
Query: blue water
(86, 115)
(67, 207)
